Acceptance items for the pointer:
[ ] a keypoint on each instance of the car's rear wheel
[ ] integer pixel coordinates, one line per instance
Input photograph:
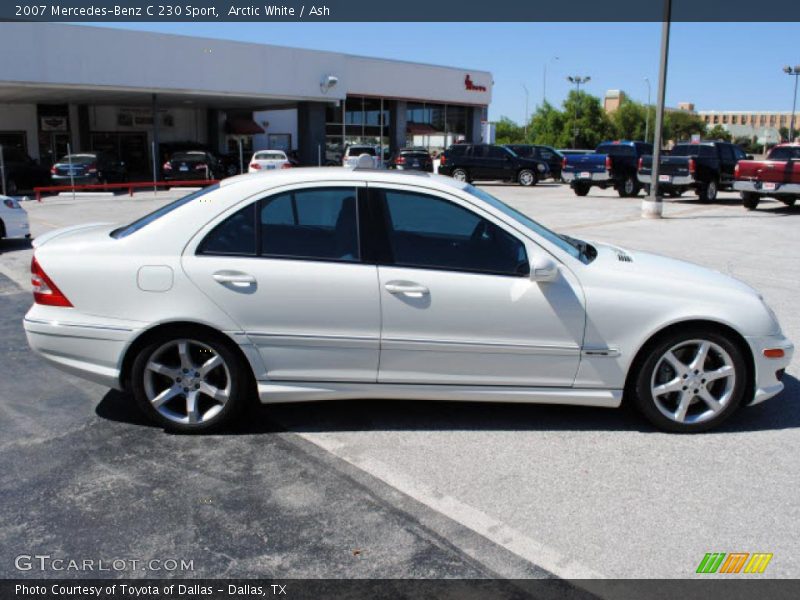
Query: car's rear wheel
(460, 175)
(691, 380)
(189, 381)
(750, 200)
(628, 188)
(708, 193)
(526, 178)
(581, 189)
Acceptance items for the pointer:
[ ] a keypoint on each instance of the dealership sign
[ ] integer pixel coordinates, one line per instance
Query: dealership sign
(471, 86)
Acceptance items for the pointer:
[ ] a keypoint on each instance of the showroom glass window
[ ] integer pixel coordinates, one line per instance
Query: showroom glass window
(308, 224)
(428, 232)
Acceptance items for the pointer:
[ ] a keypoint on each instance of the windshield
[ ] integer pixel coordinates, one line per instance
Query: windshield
(358, 150)
(157, 214)
(784, 153)
(574, 247)
(193, 155)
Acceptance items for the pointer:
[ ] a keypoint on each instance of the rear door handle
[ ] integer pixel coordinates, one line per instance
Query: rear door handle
(408, 288)
(234, 278)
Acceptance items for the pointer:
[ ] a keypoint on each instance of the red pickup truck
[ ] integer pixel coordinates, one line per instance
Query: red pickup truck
(776, 177)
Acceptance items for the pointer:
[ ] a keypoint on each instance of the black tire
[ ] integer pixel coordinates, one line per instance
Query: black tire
(708, 191)
(629, 188)
(460, 175)
(238, 376)
(750, 200)
(675, 193)
(581, 189)
(650, 358)
(527, 178)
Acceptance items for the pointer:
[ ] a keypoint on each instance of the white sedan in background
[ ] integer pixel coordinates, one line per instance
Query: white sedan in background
(266, 160)
(327, 283)
(13, 219)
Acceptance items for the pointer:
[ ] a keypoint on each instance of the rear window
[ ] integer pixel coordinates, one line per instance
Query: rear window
(693, 150)
(359, 150)
(188, 155)
(157, 214)
(78, 159)
(615, 150)
(784, 153)
(269, 156)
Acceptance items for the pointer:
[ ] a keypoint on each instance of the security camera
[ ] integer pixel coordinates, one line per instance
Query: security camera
(328, 81)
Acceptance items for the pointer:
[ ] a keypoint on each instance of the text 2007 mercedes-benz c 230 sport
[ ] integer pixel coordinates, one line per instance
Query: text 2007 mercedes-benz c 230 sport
(330, 283)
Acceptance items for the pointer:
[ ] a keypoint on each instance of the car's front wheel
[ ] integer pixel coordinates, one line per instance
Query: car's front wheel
(628, 188)
(526, 178)
(581, 189)
(189, 381)
(708, 192)
(691, 381)
(750, 200)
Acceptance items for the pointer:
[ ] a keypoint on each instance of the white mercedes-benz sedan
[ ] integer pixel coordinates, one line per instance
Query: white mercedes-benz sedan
(314, 284)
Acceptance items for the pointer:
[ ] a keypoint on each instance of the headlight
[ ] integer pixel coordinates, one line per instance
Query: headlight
(11, 203)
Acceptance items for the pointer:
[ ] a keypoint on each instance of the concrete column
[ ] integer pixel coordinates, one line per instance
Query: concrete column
(212, 128)
(84, 141)
(311, 132)
(397, 125)
(473, 134)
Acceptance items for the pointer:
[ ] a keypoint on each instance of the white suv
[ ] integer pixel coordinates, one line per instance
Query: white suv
(352, 154)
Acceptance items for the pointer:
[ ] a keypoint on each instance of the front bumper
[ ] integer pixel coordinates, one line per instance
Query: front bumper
(768, 370)
(570, 176)
(757, 187)
(685, 180)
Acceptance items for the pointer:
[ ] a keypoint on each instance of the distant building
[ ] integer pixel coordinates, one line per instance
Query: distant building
(614, 99)
(756, 125)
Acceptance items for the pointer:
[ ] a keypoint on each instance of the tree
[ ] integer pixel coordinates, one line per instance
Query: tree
(629, 120)
(718, 132)
(546, 126)
(784, 133)
(586, 123)
(508, 132)
(680, 125)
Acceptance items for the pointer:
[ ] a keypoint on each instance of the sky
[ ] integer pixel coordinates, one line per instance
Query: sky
(717, 66)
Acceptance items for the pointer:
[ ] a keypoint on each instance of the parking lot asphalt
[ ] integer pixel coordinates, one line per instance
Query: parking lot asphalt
(467, 489)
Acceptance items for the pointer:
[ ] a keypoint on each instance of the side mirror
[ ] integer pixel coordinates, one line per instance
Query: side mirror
(543, 269)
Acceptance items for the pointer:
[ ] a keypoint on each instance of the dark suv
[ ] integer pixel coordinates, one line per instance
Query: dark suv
(546, 154)
(471, 162)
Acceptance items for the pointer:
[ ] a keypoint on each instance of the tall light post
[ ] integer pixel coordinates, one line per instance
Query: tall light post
(544, 79)
(653, 205)
(647, 113)
(524, 87)
(578, 80)
(796, 72)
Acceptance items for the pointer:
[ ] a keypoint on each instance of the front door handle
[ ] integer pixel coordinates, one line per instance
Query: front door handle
(408, 288)
(234, 278)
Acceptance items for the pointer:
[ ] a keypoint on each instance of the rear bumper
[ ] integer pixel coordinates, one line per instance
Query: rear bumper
(78, 179)
(570, 176)
(87, 349)
(769, 370)
(685, 180)
(756, 187)
(15, 223)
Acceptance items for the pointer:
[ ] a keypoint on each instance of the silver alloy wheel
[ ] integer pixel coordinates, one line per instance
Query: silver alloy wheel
(711, 190)
(459, 175)
(629, 185)
(526, 177)
(693, 381)
(187, 381)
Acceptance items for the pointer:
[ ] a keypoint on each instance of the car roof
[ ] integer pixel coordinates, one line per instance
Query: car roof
(264, 181)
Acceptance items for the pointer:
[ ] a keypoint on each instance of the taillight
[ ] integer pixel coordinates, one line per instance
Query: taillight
(255, 165)
(442, 160)
(53, 170)
(692, 166)
(44, 290)
(400, 160)
(564, 163)
(200, 166)
(286, 165)
(641, 164)
(608, 163)
(167, 166)
(736, 171)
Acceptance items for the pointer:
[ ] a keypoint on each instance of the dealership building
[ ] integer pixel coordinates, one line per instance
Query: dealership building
(136, 93)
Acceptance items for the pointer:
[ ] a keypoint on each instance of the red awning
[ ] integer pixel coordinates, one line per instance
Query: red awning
(421, 129)
(242, 126)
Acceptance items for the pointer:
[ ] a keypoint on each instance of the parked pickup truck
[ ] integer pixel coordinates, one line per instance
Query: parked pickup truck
(776, 177)
(611, 165)
(705, 167)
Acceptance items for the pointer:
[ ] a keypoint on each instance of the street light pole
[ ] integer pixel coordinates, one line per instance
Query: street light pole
(524, 87)
(652, 205)
(544, 80)
(647, 113)
(796, 72)
(578, 80)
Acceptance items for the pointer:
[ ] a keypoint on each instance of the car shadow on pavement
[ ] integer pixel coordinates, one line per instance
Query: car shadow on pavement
(781, 412)
(14, 245)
